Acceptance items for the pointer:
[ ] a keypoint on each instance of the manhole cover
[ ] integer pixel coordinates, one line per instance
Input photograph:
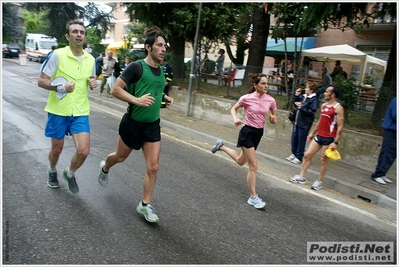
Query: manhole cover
(373, 186)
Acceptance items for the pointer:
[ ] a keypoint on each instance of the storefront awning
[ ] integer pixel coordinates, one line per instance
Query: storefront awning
(116, 45)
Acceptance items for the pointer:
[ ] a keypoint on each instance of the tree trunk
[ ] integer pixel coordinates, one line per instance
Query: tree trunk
(388, 89)
(257, 47)
(177, 45)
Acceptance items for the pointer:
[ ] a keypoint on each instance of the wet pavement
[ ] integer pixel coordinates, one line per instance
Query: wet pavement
(341, 177)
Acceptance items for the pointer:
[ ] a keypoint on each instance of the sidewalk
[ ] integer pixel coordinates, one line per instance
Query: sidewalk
(353, 182)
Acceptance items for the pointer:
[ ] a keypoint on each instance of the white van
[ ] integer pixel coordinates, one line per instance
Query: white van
(38, 46)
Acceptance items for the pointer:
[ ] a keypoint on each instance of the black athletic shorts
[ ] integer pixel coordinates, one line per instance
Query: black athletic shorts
(323, 141)
(249, 137)
(135, 133)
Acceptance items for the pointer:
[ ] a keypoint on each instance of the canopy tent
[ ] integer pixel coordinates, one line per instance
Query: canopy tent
(278, 50)
(346, 54)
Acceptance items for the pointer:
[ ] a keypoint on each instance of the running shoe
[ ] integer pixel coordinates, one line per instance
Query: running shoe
(298, 179)
(217, 146)
(256, 201)
(148, 212)
(73, 187)
(379, 180)
(386, 179)
(52, 180)
(290, 157)
(317, 185)
(296, 161)
(102, 177)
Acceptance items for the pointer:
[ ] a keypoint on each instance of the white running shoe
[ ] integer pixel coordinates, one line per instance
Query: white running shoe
(256, 201)
(148, 212)
(386, 179)
(379, 180)
(297, 179)
(290, 157)
(296, 161)
(317, 185)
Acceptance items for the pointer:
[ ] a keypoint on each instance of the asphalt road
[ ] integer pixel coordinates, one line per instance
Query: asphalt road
(199, 197)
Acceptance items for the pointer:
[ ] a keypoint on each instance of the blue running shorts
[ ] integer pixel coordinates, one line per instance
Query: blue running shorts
(59, 126)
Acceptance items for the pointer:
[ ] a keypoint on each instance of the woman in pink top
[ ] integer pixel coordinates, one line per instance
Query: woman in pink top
(257, 104)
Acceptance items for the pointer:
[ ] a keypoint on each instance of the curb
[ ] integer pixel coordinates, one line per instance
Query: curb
(343, 187)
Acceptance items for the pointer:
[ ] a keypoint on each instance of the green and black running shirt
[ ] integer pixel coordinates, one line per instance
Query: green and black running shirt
(142, 79)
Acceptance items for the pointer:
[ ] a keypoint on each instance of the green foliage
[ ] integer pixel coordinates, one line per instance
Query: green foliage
(348, 94)
(58, 14)
(134, 54)
(12, 29)
(368, 79)
(94, 40)
(136, 31)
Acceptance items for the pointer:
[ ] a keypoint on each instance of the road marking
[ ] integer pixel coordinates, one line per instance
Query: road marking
(281, 180)
(315, 193)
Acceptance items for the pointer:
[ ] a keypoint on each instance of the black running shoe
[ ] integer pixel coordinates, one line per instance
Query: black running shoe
(52, 180)
(73, 187)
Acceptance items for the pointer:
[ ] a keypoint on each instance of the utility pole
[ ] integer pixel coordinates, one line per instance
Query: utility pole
(192, 74)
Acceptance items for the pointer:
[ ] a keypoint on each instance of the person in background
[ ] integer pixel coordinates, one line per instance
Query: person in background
(220, 65)
(329, 129)
(141, 85)
(88, 49)
(338, 70)
(68, 114)
(312, 73)
(257, 104)
(167, 69)
(326, 81)
(107, 70)
(99, 64)
(117, 68)
(205, 67)
(387, 154)
(126, 62)
(307, 105)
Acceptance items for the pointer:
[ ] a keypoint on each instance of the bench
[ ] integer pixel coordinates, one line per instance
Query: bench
(279, 86)
(363, 98)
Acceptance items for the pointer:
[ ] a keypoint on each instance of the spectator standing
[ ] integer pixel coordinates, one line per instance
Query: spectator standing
(257, 103)
(329, 130)
(312, 73)
(206, 66)
(326, 81)
(307, 105)
(117, 68)
(167, 69)
(107, 70)
(68, 114)
(338, 70)
(141, 85)
(220, 64)
(88, 49)
(127, 62)
(387, 154)
(99, 64)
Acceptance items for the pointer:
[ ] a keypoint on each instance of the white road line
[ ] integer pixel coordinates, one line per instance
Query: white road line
(276, 178)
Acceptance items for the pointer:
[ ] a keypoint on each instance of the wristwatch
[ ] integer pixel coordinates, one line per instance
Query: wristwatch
(336, 142)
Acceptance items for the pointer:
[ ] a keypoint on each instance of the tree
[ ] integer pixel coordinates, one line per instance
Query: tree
(58, 14)
(12, 31)
(260, 33)
(219, 22)
(353, 16)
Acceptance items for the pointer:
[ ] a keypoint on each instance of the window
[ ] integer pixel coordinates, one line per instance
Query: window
(125, 29)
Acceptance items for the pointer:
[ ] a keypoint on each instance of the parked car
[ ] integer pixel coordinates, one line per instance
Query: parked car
(11, 50)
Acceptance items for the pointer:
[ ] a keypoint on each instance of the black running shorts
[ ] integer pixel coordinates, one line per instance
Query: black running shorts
(135, 133)
(249, 137)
